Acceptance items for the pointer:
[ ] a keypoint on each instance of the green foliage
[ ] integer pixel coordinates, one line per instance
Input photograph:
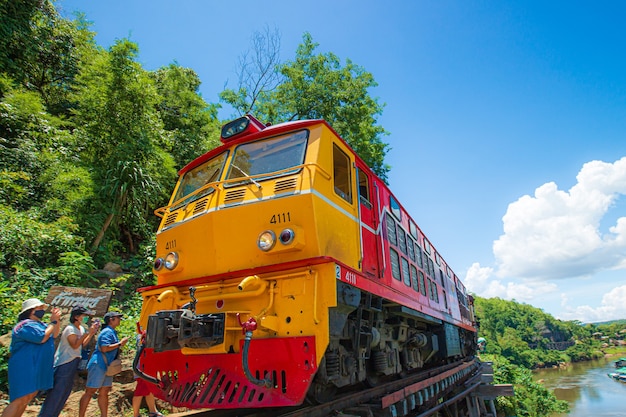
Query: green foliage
(8, 306)
(122, 133)
(4, 367)
(522, 333)
(531, 398)
(191, 124)
(16, 32)
(75, 269)
(27, 241)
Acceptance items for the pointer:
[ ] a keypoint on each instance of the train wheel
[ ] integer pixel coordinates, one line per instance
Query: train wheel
(372, 380)
(321, 393)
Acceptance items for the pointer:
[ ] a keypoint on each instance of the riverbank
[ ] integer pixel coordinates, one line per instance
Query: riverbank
(607, 353)
(586, 387)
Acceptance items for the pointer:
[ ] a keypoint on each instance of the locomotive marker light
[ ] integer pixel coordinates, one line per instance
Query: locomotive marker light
(171, 260)
(286, 236)
(158, 264)
(266, 240)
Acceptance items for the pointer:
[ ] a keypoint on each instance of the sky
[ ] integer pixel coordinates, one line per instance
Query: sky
(506, 121)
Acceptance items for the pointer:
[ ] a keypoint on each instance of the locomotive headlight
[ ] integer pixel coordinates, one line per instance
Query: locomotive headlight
(266, 240)
(171, 260)
(286, 236)
(158, 264)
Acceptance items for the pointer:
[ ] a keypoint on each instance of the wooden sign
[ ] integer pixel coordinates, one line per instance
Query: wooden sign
(67, 297)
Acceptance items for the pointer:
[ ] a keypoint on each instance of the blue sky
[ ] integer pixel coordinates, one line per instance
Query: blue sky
(507, 122)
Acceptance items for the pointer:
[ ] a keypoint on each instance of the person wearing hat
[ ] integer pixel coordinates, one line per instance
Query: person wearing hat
(32, 355)
(66, 360)
(108, 345)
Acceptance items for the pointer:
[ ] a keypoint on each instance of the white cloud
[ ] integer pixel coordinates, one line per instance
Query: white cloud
(555, 233)
(611, 308)
(481, 281)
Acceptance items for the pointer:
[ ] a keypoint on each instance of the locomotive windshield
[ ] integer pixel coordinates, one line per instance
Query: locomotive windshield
(268, 157)
(200, 176)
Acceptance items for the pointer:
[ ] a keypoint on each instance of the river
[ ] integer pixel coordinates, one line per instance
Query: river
(587, 388)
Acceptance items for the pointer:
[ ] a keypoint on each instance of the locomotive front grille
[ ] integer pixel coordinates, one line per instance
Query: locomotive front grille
(234, 196)
(200, 206)
(284, 186)
(171, 218)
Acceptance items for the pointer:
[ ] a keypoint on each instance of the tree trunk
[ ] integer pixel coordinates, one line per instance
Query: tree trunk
(98, 239)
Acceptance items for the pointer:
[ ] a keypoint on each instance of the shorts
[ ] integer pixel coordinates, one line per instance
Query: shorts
(96, 377)
(142, 389)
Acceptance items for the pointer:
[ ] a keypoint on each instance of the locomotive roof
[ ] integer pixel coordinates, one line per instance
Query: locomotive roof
(270, 130)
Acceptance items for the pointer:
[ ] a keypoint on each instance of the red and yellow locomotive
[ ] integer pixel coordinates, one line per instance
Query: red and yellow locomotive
(286, 268)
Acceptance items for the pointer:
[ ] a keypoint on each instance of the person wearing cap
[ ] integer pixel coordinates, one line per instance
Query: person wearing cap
(32, 355)
(66, 360)
(108, 344)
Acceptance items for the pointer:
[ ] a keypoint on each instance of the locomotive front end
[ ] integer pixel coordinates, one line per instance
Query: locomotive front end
(239, 317)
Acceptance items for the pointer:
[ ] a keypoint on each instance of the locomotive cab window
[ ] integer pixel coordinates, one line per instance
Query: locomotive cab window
(341, 174)
(364, 188)
(272, 157)
(198, 177)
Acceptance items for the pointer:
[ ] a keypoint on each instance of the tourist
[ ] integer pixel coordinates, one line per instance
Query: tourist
(32, 355)
(67, 359)
(108, 345)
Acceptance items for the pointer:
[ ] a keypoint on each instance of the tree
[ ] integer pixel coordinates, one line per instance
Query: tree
(191, 125)
(41, 50)
(16, 40)
(531, 399)
(123, 142)
(258, 72)
(317, 86)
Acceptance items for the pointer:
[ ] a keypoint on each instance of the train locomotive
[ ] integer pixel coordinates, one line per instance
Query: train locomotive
(286, 271)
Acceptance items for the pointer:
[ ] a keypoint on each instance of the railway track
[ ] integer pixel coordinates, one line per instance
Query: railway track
(418, 394)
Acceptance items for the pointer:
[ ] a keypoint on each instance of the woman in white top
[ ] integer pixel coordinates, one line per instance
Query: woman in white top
(66, 360)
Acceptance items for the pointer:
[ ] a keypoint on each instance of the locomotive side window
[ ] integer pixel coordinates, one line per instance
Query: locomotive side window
(395, 264)
(422, 283)
(426, 246)
(402, 240)
(418, 256)
(431, 267)
(413, 228)
(341, 174)
(395, 208)
(391, 230)
(410, 246)
(405, 272)
(364, 188)
(414, 282)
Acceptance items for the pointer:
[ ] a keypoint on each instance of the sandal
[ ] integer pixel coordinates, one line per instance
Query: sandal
(157, 414)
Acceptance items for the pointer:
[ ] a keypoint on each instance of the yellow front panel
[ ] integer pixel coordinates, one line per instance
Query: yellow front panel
(218, 234)
(292, 303)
